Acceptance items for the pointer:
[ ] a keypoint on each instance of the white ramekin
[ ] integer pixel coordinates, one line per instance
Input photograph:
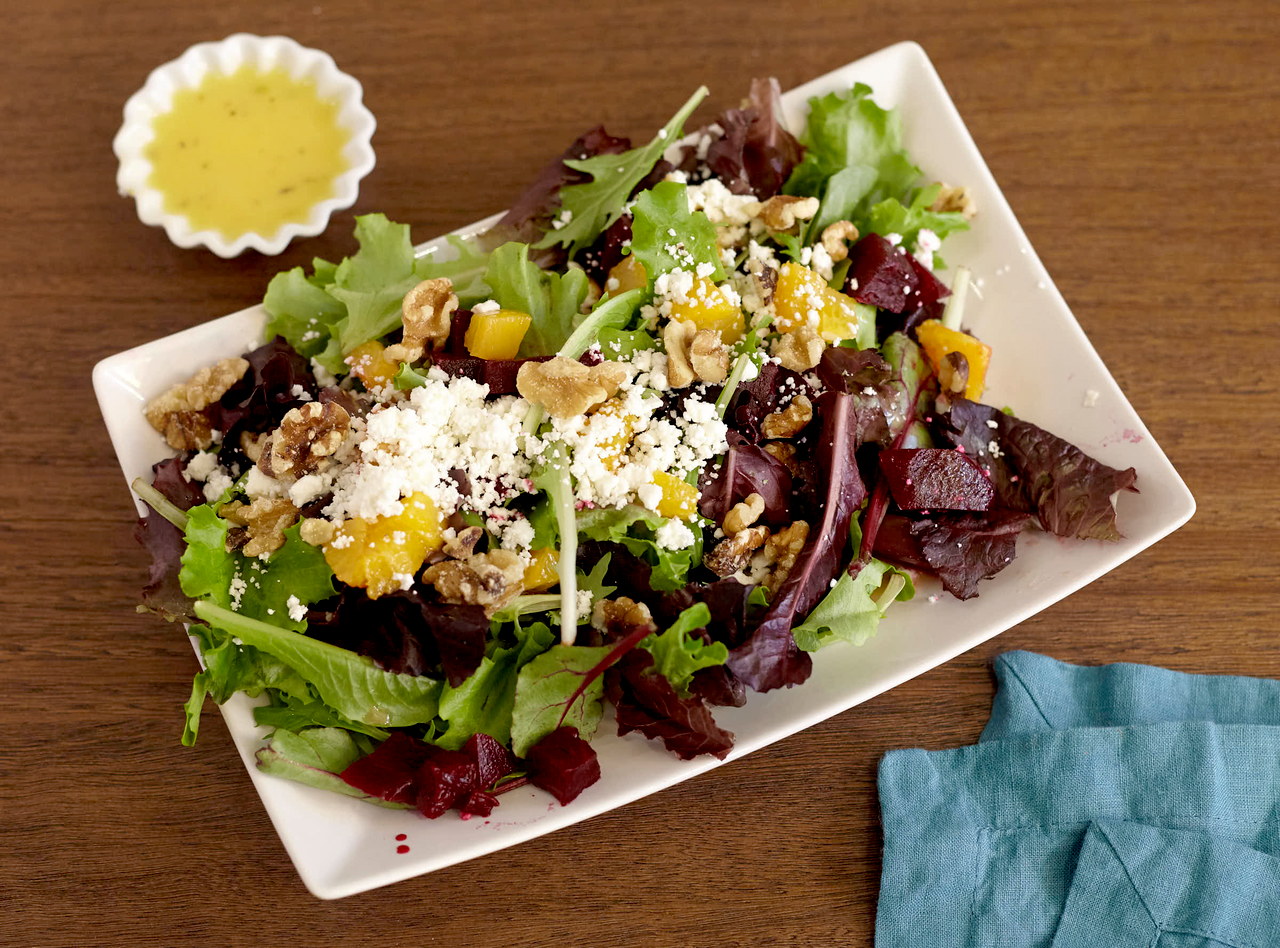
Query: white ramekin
(189, 70)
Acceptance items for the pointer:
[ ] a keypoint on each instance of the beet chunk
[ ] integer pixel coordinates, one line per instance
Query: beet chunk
(491, 758)
(935, 479)
(889, 278)
(563, 764)
(445, 779)
(388, 773)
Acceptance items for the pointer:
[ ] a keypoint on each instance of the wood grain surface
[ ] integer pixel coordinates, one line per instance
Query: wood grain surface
(1137, 142)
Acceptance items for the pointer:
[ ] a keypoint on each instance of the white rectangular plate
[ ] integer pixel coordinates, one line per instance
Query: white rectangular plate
(1043, 366)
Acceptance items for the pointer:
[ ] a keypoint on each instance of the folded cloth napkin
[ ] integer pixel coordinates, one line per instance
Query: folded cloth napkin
(1095, 793)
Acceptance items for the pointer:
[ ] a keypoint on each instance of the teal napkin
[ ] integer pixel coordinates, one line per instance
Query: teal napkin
(1012, 842)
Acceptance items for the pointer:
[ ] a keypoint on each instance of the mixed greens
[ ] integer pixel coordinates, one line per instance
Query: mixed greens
(688, 413)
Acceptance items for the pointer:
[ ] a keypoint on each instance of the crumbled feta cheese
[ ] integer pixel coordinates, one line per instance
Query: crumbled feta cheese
(1091, 397)
(308, 488)
(488, 306)
(201, 465)
(297, 611)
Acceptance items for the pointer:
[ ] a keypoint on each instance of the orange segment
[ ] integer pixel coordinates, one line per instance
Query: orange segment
(802, 295)
(541, 573)
(679, 499)
(708, 307)
(375, 553)
(370, 365)
(937, 340)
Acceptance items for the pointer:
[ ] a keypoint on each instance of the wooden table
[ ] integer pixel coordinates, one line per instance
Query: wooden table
(1137, 142)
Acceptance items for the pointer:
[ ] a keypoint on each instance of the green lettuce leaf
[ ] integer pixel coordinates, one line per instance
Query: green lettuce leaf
(483, 704)
(299, 308)
(891, 216)
(677, 655)
(852, 610)
(595, 205)
(661, 211)
(635, 528)
(543, 691)
(207, 568)
(853, 158)
(315, 757)
(296, 570)
(351, 684)
(464, 264)
(624, 343)
(373, 281)
(293, 714)
(552, 299)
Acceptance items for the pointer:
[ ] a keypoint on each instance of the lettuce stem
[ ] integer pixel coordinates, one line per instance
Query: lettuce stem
(160, 503)
(953, 312)
(560, 489)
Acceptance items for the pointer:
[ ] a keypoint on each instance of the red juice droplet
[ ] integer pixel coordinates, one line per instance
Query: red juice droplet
(402, 848)
(401, 837)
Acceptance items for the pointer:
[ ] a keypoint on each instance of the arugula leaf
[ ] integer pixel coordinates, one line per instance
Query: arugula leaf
(483, 703)
(545, 695)
(677, 655)
(891, 216)
(315, 757)
(595, 205)
(465, 267)
(854, 607)
(554, 301)
(635, 528)
(662, 211)
(349, 683)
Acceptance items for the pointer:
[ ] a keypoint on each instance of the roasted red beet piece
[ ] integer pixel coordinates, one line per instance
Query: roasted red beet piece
(491, 759)
(882, 275)
(888, 277)
(935, 479)
(389, 772)
(444, 779)
(563, 764)
(498, 374)
(478, 803)
(929, 289)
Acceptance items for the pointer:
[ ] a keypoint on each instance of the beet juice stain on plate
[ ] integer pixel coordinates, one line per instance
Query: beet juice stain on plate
(402, 848)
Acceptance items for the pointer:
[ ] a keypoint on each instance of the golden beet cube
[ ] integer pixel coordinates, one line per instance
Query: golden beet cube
(496, 335)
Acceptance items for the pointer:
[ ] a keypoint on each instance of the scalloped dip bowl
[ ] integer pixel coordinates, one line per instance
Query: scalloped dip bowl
(245, 143)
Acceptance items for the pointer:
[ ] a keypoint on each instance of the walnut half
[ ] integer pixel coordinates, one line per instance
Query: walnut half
(566, 387)
(178, 412)
(306, 437)
(732, 553)
(262, 524)
(694, 354)
(490, 580)
(427, 312)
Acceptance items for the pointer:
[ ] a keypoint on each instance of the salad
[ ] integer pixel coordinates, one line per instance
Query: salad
(688, 413)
